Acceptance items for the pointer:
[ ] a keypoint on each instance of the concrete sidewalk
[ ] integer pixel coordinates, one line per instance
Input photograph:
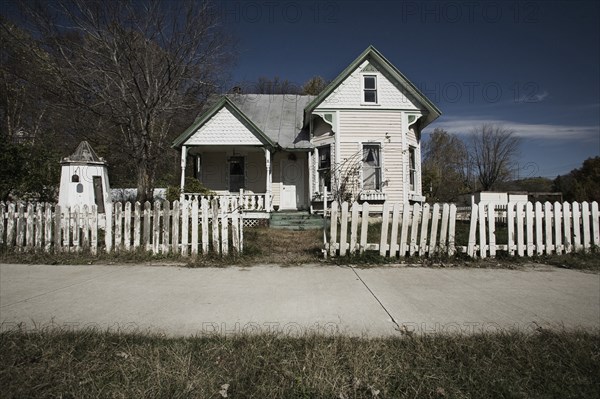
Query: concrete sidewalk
(181, 301)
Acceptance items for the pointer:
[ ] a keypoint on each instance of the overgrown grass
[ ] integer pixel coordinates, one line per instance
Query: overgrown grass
(92, 364)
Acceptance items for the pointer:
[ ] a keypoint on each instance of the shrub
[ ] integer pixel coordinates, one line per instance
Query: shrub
(192, 185)
(173, 193)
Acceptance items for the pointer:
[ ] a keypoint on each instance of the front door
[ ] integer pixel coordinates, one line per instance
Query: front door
(292, 182)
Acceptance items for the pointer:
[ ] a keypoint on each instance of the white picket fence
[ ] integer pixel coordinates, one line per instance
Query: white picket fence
(412, 229)
(189, 227)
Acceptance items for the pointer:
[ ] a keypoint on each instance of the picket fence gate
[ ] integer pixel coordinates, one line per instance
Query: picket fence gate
(189, 227)
(424, 230)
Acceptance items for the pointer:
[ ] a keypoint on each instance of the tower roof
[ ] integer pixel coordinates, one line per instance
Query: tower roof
(84, 153)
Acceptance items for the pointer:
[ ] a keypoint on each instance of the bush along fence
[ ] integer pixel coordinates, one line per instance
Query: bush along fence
(189, 227)
(523, 229)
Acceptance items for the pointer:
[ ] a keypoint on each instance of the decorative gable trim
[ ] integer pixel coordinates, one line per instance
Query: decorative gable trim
(223, 103)
(372, 55)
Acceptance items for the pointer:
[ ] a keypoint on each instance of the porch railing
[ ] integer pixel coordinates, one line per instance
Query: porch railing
(249, 202)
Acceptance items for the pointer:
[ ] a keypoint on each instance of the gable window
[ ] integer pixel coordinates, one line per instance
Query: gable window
(236, 174)
(370, 89)
(412, 167)
(324, 167)
(371, 168)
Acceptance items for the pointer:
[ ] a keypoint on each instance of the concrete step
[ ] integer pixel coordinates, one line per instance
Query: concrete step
(295, 220)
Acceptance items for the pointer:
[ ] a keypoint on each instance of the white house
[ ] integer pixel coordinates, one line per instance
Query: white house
(359, 139)
(84, 179)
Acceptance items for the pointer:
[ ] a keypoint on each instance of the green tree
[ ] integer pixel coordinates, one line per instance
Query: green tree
(582, 184)
(445, 168)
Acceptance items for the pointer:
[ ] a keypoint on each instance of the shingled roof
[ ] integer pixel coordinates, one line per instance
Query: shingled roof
(84, 153)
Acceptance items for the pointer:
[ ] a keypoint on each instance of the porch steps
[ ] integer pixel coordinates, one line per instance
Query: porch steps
(295, 220)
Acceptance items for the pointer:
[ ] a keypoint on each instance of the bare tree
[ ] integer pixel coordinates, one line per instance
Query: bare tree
(133, 68)
(493, 147)
(314, 86)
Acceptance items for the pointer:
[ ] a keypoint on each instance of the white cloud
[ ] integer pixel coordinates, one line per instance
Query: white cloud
(526, 130)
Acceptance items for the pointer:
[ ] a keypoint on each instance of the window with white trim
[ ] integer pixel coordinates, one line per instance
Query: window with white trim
(370, 89)
(324, 167)
(371, 167)
(412, 167)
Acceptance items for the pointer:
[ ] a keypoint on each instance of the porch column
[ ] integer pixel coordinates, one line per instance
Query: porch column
(269, 183)
(310, 177)
(184, 151)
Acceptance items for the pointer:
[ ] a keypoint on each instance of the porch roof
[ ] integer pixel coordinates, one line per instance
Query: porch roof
(279, 116)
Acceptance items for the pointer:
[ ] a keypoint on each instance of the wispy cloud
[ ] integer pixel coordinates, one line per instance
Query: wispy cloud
(462, 126)
(533, 98)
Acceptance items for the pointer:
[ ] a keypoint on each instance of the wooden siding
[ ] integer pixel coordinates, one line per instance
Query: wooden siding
(223, 128)
(358, 127)
(215, 170)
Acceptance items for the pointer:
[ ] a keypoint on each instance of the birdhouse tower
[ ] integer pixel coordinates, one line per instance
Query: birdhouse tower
(84, 179)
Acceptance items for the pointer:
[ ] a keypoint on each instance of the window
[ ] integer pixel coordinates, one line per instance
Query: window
(324, 167)
(412, 167)
(371, 167)
(370, 89)
(236, 174)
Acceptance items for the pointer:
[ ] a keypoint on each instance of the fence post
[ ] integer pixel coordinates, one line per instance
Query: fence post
(395, 226)
(137, 225)
(127, 226)
(344, 228)
(224, 228)
(404, 229)
(235, 237)
(147, 226)
(576, 226)
(118, 226)
(108, 209)
(10, 225)
(435, 217)
(20, 225)
(205, 237)
(385, 221)
(539, 245)
(85, 227)
(185, 223)
(39, 225)
(510, 224)
(529, 226)
(444, 229)
(214, 205)
(48, 228)
(548, 227)
(30, 223)
(175, 227)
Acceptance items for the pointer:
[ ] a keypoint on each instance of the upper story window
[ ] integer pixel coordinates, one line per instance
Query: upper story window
(370, 89)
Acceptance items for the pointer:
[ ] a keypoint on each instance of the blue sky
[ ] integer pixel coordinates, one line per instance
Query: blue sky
(533, 66)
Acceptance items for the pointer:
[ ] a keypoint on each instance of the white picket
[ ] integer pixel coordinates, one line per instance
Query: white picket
(175, 227)
(444, 228)
(184, 207)
(558, 247)
(424, 225)
(30, 228)
(510, 214)
(343, 228)
(539, 244)
(414, 229)
(520, 215)
(394, 234)
(333, 228)
(354, 228)
(166, 227)
(585, 218)
(235, 236)
(137, 225)
(21, 222)
(127, 227)
(404, 229)
(224, 235)
(147, 226)
(385, 221)
(452, 231)
(595, 224)
(576, 226)
(2, 217)
(205, 236)
(194, 249)
(435, 216)
(482, 238)
(529, 227)
(214, 206)
(472, 232)
(39, 225)
(48, 228)
(156, 227)
(364, 227)
(548, 227)
(492, 229)
(108, 228)
(567, 230)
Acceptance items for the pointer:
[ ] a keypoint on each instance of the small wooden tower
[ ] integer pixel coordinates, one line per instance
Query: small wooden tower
(84, 179)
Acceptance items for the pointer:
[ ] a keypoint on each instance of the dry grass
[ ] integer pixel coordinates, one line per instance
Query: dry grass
(92, 364)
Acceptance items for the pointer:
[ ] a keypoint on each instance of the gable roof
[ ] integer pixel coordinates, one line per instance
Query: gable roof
(231, 107)
(372, 54)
